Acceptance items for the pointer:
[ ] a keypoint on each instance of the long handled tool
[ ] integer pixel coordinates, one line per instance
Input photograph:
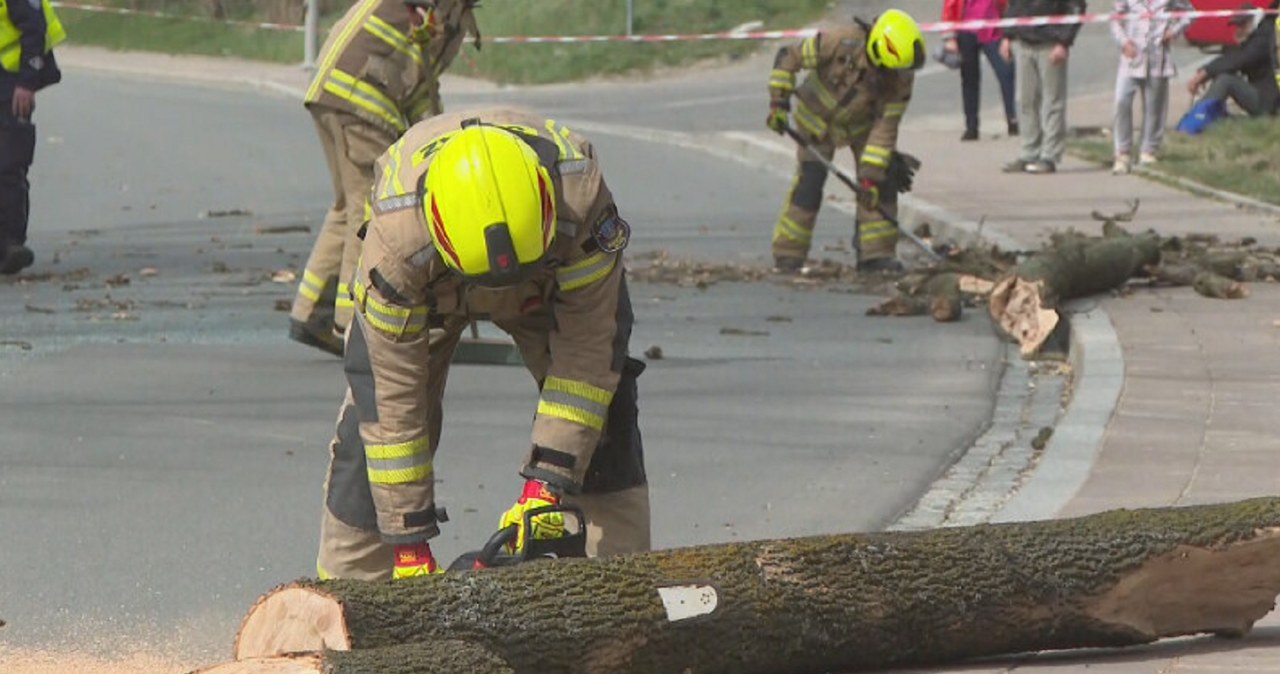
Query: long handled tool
(857, 189)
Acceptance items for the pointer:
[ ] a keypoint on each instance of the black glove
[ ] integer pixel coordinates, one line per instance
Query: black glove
(901, 172)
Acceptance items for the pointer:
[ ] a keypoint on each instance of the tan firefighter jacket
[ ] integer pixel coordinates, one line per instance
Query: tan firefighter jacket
(402, 288)
(845, 98)
(372, 67)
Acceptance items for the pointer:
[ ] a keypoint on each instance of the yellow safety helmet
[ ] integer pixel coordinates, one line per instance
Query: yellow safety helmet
(490, 205)
(896, 42)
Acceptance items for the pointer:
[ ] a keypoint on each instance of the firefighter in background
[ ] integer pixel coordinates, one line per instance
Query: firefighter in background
(856, 95)
(378, 73)
(508, 212)
(29, 30)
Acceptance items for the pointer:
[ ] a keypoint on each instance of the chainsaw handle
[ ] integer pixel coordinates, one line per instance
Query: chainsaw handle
(494, 545)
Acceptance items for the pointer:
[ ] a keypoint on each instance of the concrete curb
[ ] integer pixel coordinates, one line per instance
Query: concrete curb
(1097, 362)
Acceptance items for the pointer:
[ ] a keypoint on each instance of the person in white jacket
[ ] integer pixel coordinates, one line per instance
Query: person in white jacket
(1145, 31)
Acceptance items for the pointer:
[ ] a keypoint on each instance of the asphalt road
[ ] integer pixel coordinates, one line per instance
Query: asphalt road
(162, 445)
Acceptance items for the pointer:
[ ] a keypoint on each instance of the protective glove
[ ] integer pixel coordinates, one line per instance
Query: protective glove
(901, 173)
(869, 194)
(778, 118)
(414, 560)
(549, 525)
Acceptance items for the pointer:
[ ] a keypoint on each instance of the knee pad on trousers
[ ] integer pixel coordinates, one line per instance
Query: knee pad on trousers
(618, 462)
(808, 191)
(347, 495)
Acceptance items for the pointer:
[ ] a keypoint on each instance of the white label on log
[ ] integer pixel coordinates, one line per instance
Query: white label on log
(688, 601)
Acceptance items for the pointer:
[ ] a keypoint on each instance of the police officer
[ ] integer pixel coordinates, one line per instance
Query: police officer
(861, 80)
(29, 30)
(508, 213)
(378, 73)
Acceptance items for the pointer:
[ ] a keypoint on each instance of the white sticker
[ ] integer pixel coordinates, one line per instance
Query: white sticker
(688, 601)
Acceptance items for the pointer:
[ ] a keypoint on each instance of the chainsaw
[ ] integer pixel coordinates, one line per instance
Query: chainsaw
(572, 544)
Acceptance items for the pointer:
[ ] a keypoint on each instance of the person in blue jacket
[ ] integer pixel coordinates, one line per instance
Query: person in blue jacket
(28, 32)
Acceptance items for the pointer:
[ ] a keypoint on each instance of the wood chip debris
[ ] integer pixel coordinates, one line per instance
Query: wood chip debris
(282, 229)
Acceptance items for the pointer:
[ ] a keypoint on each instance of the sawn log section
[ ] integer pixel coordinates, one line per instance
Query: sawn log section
(830, 603)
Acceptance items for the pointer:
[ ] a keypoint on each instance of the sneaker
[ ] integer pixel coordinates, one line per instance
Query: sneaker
(880, 265)
(788, 265)
(15, 259)
(320, 336)
(1041, 166)
(1017, 166)
(1146, 159)
(1121, 165)
(970, 134)
(1013, 128)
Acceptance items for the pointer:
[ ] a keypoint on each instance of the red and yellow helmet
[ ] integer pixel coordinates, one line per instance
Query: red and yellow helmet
(490, 205)
(896, 42)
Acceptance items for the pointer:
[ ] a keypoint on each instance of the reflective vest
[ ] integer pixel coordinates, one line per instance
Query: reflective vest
(11, 37)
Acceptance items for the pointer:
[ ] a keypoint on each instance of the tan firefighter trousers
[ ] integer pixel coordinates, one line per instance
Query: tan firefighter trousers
(351, 146)
(874, 236)
(615, 501)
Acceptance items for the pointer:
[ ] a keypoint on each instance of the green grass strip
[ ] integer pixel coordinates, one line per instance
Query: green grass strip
(506, 63)
(1235, 155)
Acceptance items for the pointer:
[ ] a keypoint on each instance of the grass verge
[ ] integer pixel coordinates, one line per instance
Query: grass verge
(506, 63)
(1236, 155)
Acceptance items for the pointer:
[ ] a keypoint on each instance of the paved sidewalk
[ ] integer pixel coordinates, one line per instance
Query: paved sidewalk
(1195, 420)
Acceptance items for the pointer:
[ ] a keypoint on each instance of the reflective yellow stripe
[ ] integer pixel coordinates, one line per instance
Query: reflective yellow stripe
(365, 96)
(825, 97)
(321, 573)
(809, 53)
(782, 80)
(788, 228)
(343, 299)
(876, 230)
(398, 41)
(339, 46)
(399, 463)
(876, 156)
(312, 286)
(809, 121)
(393, 320)
(393, 181)
(575, 401)
(591, 269)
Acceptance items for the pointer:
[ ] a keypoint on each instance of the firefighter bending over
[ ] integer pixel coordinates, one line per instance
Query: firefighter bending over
(506, 213)
(861, 81)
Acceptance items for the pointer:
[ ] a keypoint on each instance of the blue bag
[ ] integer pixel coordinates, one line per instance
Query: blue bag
(1201, 115)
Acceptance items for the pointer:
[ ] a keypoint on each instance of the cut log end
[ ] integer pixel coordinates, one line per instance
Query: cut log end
(292, 619)
(303, 663)
(1018, 308)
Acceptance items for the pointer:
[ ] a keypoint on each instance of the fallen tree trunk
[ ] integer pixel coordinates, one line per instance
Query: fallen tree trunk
(1024, 301)
(820, 604)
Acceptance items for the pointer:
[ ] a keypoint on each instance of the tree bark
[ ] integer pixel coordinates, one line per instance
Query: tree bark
(819, 604)
(1025, 300)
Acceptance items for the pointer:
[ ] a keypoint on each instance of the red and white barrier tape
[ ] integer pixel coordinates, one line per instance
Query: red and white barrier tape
(59, 4)
(933, 27)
